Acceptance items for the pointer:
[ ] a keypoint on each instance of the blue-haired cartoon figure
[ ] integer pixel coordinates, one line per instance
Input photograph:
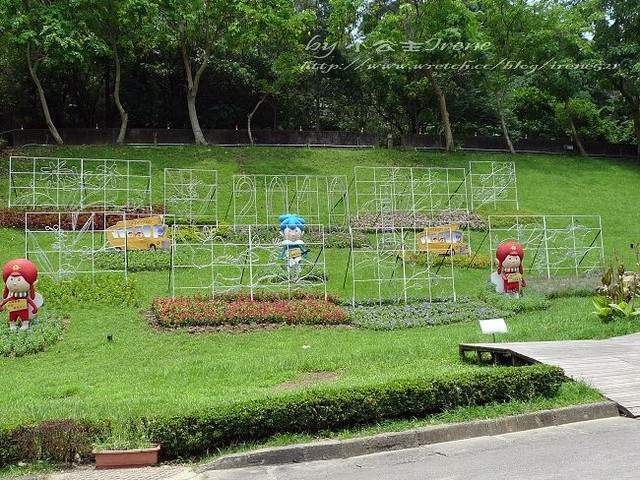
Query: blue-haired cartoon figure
(293, 251)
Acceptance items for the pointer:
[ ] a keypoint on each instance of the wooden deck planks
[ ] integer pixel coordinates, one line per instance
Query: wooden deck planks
(611, 366)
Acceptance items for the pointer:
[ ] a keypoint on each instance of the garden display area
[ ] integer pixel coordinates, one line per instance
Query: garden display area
(214, 345)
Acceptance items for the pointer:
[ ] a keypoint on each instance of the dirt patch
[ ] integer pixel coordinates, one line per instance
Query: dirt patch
(307, 379)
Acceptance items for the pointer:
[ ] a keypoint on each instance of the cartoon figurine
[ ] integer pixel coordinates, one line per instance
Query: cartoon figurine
(292, 228)
(509, 277)
(20, 298)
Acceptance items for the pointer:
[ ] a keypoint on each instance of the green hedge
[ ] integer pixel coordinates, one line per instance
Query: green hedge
(59, 441)
(307, 411)
(313, 411)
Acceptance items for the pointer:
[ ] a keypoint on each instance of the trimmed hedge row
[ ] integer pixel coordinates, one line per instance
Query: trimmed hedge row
(59, 441)
(306, 411)
(312, 411)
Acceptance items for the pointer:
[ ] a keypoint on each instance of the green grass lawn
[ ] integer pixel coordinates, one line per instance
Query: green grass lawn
(143, 371)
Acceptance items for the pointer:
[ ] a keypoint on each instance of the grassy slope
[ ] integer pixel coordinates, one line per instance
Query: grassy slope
(140, 371)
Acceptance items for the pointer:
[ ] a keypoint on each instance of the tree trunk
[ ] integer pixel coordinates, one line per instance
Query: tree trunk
(193, 82)
(193, 118)
(124, 116)
(636, 125)
(444, 113)
(576, 138)
(505, 131)
(33, 70)
(250, 116)
(634, 104)
(574, 131)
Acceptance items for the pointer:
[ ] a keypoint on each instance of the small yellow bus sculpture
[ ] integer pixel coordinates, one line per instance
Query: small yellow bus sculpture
(444, 240)
(148, 233)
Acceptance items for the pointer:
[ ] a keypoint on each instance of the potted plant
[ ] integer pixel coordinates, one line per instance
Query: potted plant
(125, 445)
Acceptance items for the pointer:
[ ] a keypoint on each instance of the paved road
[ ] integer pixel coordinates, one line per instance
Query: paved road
(598, 449)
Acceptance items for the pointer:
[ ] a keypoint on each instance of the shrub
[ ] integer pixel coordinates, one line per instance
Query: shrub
(14, 217)
(43, 331)
(317, 410)
(81, 290)
(138, 260)
(60, 441)
(527, 302)
(420, 314)
(617, 293)
(563, 286)
(471, 220)
(433, 259)
(240, 309)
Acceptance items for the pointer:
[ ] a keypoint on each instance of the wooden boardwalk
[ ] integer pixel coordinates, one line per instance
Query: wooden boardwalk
(610, 366)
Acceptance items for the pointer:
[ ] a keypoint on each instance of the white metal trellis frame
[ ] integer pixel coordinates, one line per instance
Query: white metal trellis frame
(386, 269)
(65, 244)
(191, 195)
(37, 182)
(553, 244)
(493, 184)
(319, 199)
(415, 191)
(205, 262)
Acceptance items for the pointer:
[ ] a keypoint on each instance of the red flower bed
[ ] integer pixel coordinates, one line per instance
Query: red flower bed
(240, 309)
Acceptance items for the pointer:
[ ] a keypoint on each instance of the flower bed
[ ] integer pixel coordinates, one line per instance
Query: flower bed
(202, 310)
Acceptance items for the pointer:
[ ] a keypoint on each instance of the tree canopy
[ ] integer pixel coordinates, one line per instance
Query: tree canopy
(510, 68)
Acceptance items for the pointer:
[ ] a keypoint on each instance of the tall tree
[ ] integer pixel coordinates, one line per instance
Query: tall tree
(430, 41)
(273, 35)
(199, 29)
(49, 34)
(508, 26)
(117, 24)
(617, 39)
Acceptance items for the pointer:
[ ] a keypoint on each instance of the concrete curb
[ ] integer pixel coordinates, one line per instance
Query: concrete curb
(332, 449)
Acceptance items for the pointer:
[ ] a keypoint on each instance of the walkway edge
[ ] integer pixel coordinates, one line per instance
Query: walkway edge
(332, 449)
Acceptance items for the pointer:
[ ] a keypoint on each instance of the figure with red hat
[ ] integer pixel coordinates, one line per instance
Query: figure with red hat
(19, 297)
(509, 278)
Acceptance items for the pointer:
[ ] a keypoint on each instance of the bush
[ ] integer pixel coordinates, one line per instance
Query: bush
(67, 218)
(138, 260)
(563, 286)
(471, 220)
(527, 302)
(43, 331)
(316, 410)
(59, 441)
(616, 295)
(433, 259)
(81, 290)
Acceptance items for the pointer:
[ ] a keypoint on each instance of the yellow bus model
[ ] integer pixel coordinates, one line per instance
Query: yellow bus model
(444, 240)
(148, 233)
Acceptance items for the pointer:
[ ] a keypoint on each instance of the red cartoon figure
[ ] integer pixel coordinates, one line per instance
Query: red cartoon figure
(19, 297)
(509, 277)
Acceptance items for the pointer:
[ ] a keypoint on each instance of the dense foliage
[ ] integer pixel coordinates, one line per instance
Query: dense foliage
(515, 69)
(194, 434)
(313, 411)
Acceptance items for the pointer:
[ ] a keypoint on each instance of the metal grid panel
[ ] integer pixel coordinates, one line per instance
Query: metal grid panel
(380, 273)
(205, 262)
(191, 195)
(493, 184)
(261, 199)
(37, 182)
(553, 244)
